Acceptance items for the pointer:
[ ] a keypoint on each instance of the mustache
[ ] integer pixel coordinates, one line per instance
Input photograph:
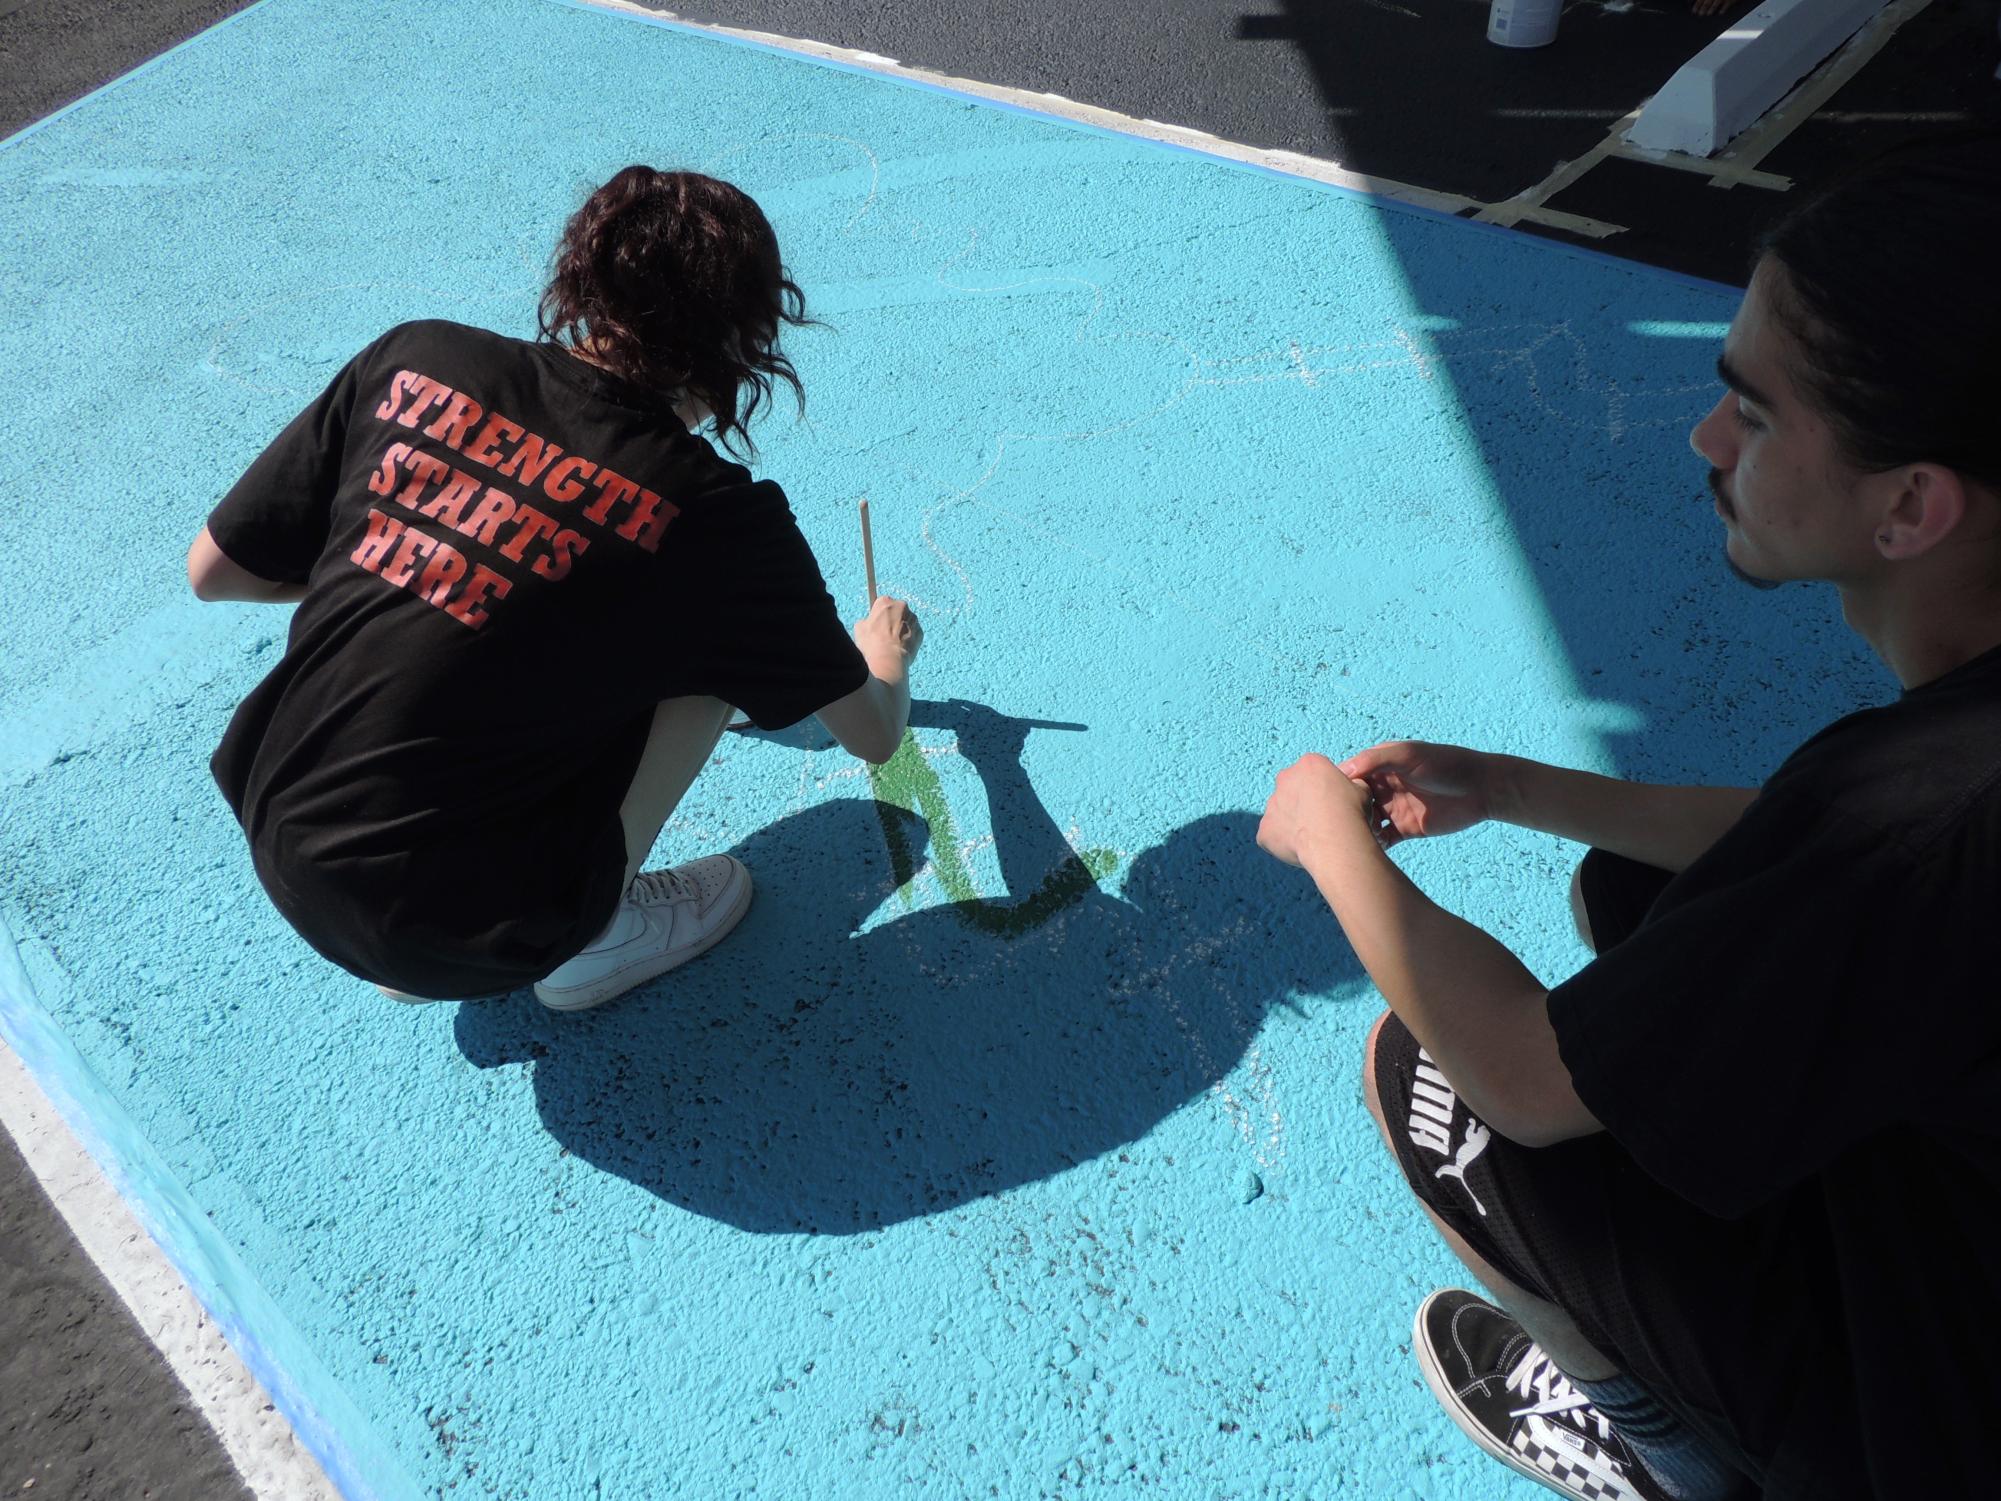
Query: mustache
(1716, 489)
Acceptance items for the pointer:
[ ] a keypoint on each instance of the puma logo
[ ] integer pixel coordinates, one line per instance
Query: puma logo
(1431, 1104)
(1433, 1107)
(1477, 1137)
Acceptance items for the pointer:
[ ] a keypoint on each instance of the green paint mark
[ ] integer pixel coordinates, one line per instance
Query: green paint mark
(907, 783)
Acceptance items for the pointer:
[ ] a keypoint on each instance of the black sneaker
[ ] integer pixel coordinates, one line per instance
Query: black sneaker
(1513, 1402)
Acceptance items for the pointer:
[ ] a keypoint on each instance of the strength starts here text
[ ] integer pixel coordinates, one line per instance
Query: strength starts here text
(470, 506)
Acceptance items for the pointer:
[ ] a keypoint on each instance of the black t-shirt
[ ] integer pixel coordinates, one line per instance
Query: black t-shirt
(1806, 1032)
(510, 557)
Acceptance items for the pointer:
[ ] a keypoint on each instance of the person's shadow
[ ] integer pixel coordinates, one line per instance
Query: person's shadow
(806, 1077)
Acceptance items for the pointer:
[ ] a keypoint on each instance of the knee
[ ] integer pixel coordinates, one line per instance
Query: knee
(1371, 1095)
(1578, 912)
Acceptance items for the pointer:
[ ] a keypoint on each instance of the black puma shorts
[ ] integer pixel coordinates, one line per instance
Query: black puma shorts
(1697, 1309)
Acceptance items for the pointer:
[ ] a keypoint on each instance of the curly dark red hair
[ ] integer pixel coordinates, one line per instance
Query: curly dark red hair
(672, 281)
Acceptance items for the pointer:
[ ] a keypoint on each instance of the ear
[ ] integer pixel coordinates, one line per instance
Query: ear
(1924, 505)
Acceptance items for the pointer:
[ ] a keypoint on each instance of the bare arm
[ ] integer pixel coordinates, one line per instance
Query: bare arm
(215, 576)
(1471, 1004)
(1662, 826)
(1425, 789)
(1482, 1016)
(870, 721)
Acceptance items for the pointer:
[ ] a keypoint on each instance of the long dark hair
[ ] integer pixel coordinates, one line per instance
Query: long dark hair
(672, 281)
(1891, 292)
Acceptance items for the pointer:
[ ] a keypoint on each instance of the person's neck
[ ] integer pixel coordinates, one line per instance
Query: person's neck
(1922, 628)
(692, 412)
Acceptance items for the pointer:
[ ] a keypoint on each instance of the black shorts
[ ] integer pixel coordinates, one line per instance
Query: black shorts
(1701, 1311)
(406, 923)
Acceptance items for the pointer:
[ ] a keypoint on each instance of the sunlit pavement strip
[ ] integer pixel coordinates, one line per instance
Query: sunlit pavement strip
(952, 1169)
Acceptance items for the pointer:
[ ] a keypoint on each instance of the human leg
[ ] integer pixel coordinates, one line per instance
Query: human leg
(1611, 895)
(1524, 1380)
(666, 917)
(406, 997)
(683, 736)
(1580, 914)
(1548, 1325)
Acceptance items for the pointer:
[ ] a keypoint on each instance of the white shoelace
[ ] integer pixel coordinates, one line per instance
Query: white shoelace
(651, 888)
(1551, 1393)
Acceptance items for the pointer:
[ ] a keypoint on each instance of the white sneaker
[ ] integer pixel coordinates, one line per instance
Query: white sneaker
(667, 918)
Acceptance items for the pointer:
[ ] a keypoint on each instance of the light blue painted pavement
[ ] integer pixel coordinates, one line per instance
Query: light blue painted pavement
(890, 1192)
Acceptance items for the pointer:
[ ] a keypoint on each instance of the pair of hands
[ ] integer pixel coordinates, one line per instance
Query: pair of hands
(1401, 789)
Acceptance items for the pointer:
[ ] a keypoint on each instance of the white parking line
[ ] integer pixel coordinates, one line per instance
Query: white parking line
(1291, 163)
(258, 1440)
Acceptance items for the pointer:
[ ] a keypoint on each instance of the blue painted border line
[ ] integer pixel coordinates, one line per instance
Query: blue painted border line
(323, 1417)
(147, 66)
(1380, 200)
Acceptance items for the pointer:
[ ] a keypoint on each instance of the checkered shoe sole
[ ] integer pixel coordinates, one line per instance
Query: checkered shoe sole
(1547, 1449)
(1567, 1464)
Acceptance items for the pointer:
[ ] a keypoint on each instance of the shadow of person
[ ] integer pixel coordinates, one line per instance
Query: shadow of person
(807, 1077)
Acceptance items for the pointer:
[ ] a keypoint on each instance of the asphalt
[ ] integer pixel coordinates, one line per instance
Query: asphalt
(55, 51)
(1402, 89)
(1411, 90)
(91, 1412)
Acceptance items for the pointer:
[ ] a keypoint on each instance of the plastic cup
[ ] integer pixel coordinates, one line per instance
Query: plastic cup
(1523, 23)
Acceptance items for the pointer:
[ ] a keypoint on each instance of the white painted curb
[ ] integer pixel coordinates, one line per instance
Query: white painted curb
(1729, 84)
